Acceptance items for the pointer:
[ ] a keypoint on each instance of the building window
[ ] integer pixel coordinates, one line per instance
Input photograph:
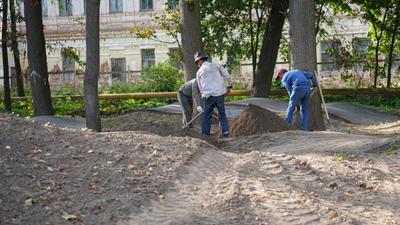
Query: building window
(45, 11)
(68, 68)
(65, 7)
(172, 4)
(116, 6)
(118, 70)
(148, 58)
(360, 46)
(146, 5)
(328, 49)
(360, 50)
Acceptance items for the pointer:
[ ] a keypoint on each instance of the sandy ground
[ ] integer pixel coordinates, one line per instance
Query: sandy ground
(128, 175)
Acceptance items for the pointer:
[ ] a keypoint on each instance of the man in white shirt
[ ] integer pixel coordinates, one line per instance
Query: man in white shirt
(210, 78)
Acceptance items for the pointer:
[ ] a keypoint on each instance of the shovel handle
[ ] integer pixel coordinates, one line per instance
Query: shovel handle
(191, 121)
(322, 96)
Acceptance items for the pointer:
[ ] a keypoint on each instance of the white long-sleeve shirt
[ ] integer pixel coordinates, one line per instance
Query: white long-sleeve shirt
(210, 78)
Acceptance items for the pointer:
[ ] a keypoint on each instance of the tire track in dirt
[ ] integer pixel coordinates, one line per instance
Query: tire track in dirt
(226, 188)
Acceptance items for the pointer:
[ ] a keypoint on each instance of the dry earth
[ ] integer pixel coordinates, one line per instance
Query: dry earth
(130, 176)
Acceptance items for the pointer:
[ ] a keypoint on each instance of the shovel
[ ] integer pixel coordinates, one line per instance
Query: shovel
(191, 121)
(322, 97)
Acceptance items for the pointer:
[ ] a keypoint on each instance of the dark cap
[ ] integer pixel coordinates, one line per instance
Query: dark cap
(198, 56)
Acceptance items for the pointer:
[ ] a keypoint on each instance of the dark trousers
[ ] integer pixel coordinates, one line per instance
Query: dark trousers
(209, 104)
(186, 103)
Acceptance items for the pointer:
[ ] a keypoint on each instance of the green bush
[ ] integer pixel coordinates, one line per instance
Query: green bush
(69, 90)
(22, 108)
(69, 107)
(239, 86)
(119, 87)
(161, 77)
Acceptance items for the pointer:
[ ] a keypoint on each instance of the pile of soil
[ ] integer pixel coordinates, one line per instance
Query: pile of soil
(256, 120)
(50, 175)
(162, 124)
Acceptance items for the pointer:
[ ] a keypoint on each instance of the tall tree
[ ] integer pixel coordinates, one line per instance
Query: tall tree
(37, 58)
(394, 31)
(379, 27)
(6, 76)
(269, 51)
(14, 48)
(234, 29)
(303, 49)
(191, 35)
(92, 112)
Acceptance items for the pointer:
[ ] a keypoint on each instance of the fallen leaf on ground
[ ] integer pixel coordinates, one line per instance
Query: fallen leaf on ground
(67, 217)
(332, 215)
(131, 167)
(29, 201)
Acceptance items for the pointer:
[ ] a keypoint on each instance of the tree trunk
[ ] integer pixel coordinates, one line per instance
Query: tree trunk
(14, 47)
(37, 58)
(269, 49)
(252, 44)
(92, 112)
(376, 69)
(392, 42)
(378, 43)
(6, 75)
(191, 35)
(390, 60)
(303, 50)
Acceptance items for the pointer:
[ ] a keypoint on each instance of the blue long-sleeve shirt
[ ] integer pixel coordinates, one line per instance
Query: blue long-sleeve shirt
(295, 78)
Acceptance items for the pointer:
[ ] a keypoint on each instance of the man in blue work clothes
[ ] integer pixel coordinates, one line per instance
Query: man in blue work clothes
(298, 84)
(210, 78)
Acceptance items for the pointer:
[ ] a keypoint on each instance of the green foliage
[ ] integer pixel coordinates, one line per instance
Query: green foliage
(168, 22)
(71, 53)
(276, 84)
(70, 107)
(239, 86)
(340, 156)
(392, 148)
(284, 49)
(119, 87)
(117, 107)
(161, 77)
(69, 90)
(235, 98)
(22, 108)
(144, 33)
(234, 28)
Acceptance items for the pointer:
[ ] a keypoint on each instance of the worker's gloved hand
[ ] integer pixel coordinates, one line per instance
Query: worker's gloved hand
(228, 89)
(199, 109)
(314, 91)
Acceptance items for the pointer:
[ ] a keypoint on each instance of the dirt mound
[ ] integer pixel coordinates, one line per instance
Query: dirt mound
(256, 120)
(162, 124)
(67, 176)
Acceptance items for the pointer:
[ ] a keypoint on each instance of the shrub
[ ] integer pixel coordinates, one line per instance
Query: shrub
(161, 77)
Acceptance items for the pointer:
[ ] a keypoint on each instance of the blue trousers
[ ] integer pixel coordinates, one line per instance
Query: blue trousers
(209, 104)
(300, 96)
